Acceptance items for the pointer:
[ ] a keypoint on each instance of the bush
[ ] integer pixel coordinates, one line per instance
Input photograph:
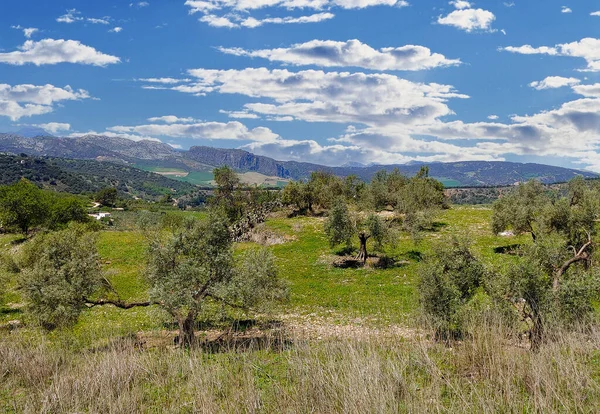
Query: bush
(61, 270)
(449, 278)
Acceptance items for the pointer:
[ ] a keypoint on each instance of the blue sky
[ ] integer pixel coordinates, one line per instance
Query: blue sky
(325, 81)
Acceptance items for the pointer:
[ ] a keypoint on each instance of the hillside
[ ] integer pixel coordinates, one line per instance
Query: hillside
(153, 155)
(86, 176)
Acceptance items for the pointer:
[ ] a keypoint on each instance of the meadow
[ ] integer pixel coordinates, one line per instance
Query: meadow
(349, 340)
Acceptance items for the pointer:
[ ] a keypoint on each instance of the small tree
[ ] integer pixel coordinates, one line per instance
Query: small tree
(339, 226)
(195, 266)
(61, 270)
(107, 196)
(520, 209)
(22, 206)
(449, 279)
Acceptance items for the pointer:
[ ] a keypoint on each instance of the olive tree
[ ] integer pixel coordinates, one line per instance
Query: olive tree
(552, 287)
(60, 271)
(22, 206)
(195, 266)
(340, 227)
(449, 279)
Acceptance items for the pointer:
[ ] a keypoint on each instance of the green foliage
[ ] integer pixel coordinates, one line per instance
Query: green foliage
(520, 209)
(22, 206)
(531, 279)
(107, 196)
(195, 266)
(61, 270)
(449, 279)
(256, 282)
(377, 229)
(339, 226)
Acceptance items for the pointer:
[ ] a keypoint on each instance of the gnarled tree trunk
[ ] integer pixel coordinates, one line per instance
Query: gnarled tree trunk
(186, 330)
(362, 251)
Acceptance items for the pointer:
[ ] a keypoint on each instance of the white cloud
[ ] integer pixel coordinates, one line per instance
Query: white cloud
(166, 81)
(110, 134)
(231, 10)
(461, 4)
(54, 127)
(469, 19)
(27, 31)
(74, 15)
(552, 82)
(493, 117)
(71, 16)
(28, 100)
(239, 114)
(587, 48)
(589, 91)
(351, 53)
(218, 21)
(596, 13)
(97, 21)
(317, 96)
(172, 119)
(116, 30)
(204, 6)
(205, 130)
(566, 9)
(51, 52)
(235, 21)
(143, 4)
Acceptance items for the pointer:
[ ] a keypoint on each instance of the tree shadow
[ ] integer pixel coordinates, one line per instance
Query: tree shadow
(345, 251)
(414, 255)
(436, 226)
(347, 262)
(512, 249)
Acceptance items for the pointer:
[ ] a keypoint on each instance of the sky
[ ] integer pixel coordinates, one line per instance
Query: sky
(323, 81)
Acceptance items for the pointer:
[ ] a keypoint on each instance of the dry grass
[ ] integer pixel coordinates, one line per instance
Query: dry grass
(486, 373)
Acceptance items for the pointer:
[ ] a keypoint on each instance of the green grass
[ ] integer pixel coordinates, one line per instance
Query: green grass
(317, 289)
(198, 177)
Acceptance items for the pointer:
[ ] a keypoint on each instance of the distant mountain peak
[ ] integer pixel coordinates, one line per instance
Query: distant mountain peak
(32, 132)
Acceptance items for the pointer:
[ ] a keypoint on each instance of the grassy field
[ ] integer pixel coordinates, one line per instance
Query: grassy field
(350, 340)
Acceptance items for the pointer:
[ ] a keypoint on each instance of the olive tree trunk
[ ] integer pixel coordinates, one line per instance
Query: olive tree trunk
(362, 251)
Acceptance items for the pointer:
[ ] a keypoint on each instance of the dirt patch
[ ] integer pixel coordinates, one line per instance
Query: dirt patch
(267, 237)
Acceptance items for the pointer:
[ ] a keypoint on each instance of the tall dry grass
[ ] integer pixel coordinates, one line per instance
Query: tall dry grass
(488, 372)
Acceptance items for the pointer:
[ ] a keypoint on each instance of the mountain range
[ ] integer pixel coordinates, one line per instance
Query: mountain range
(154, 155)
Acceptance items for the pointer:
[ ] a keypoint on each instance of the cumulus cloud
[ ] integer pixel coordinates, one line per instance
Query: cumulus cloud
(590, 91)
(587, 48)
(116, 30)
(172, 119)
(566, 9)
(28, 100)
(51, 52)
(351, 53)
(54, 127)
(226, 13)
(493, 117)
(236, 21)
(318, 96)
(204, 6)
(204, 130)
(552, 82)
(596, 13)
(467, 18)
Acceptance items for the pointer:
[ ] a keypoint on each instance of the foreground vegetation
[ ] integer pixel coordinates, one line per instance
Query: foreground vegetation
(425, 321)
